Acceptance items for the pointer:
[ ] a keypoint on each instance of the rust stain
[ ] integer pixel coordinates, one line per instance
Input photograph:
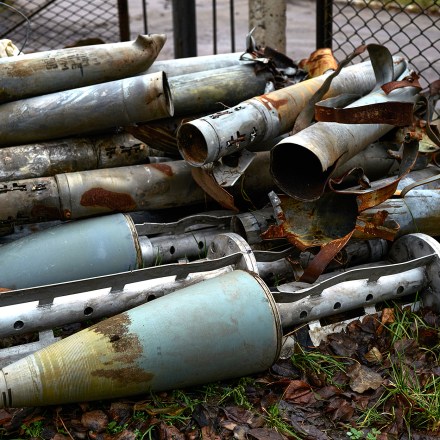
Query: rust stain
(276, 103)
(274, 231)
(164, 168)
(117, 330)
(374, 226)
(127, 349)
(4, 289)
(108, 199)
(47, 212)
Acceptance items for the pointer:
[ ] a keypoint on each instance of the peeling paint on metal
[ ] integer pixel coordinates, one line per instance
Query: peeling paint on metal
(108, 199)
(164, 168)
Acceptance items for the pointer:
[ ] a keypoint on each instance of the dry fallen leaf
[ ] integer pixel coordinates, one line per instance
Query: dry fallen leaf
(363, 378)
(374, 356)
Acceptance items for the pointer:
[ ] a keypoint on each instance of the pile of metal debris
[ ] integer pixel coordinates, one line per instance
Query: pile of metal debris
(198, 210)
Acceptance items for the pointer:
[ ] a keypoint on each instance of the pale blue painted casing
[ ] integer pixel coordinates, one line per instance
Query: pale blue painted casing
(217, 329)
(221, 328)
(71, 251)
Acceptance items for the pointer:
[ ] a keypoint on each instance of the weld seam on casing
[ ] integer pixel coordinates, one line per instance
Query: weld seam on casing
(276, 314)
(64, 195)
(135, 237)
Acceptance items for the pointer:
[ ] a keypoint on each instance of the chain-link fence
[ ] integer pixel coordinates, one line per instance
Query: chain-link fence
(406, 27)
(52, 24)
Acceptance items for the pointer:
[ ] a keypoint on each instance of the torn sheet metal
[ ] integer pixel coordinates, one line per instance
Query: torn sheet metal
(73, 154)
(41, 73)
(82, 194)
(264, 117)
(330, 221)
(303, 163)
(86, 109)
(249, 191)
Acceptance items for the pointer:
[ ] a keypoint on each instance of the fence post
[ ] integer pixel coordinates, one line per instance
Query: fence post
(184, 28)
(324, 23)
(269, 20)
(124, 20)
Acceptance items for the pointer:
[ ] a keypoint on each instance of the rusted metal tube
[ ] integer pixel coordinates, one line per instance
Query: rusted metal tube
(138, 351)
(418, 211)
(302, 164)
(267, 116)
(215, 90)
(41, 73)
(86, 193)
(72, 154)
(86, 109)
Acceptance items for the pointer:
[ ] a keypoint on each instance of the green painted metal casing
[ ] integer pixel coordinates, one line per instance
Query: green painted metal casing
(221, 328)
(71, 251)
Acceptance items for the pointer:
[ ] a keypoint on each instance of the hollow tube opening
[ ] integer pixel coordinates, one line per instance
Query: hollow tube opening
(192, 145)
(298, 172)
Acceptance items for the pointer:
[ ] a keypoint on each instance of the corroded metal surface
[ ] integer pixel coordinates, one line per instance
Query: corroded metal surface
(71, 154)
(216, 90)
(303, 163)
(46, 72)
(86, 109)
(82, 194)
(418, 211)
(248, 192)
(267, 116)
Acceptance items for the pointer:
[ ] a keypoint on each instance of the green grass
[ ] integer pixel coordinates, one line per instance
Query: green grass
(411, 393)
(320, 364)
(274, 420)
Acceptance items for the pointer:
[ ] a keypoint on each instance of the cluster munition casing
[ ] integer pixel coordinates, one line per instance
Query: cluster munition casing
(42, 73)
(264, 117)
(302, 163)
(129, 354)
(73, 154)
(86, 109)
(82, 194)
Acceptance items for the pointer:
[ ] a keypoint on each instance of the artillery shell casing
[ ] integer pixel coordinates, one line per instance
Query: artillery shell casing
(71, 251)
(71, 154)
(302, 163)
(143, 349)
(86, 109)
(216, 90)
(51, 71)
(86, 193)
(258, 119)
